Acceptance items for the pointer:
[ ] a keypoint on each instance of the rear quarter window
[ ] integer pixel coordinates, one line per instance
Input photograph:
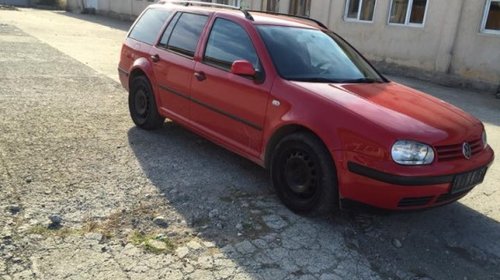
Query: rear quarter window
(148, 26)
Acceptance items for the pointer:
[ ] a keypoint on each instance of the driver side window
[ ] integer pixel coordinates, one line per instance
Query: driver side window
(228, 42)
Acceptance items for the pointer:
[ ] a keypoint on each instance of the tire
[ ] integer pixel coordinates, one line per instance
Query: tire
(142, 105)
(304, 175)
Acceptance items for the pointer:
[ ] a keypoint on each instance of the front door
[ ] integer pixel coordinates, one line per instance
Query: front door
(229, 106)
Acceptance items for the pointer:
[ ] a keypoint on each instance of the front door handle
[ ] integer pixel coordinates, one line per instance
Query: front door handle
(155, 58)
(200, 76)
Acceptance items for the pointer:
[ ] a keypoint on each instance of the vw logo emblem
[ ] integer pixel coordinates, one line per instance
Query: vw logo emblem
(467, 150)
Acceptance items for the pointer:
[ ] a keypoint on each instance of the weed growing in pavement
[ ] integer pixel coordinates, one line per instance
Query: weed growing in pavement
(140, 239)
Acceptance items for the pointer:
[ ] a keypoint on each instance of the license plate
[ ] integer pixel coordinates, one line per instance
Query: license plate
(468, 180)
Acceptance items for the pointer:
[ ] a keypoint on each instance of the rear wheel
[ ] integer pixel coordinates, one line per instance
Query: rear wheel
(142, 105)
(304, 175)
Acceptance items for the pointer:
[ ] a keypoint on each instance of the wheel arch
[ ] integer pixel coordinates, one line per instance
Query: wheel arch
(143, 67)
(136, 73)
(281, 133)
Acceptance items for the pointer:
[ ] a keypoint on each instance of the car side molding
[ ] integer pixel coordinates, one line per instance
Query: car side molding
(397, 179)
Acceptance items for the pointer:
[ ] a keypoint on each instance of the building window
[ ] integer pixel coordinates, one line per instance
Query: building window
(300, 7)
(408, 12)
(491, 18)
(361, 10)
(273, 5)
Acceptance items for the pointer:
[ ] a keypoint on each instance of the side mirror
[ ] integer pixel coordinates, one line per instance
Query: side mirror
(243, 68)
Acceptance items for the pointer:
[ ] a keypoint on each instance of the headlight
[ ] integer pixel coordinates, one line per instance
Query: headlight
(485, 140)
(412, 153)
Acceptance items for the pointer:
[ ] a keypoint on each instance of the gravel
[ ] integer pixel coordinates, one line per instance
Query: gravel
(55, 220)
(397, 243)
(13, 209)
(160, 221)
(274, 221)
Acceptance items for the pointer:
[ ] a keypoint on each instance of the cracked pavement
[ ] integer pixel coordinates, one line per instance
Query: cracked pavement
(170, 205)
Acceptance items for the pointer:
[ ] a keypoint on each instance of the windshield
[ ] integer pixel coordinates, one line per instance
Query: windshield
(310, 55)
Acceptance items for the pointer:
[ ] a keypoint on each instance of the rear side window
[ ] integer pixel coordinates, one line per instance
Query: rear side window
(148, 26)
(186, 34)
(228, 42)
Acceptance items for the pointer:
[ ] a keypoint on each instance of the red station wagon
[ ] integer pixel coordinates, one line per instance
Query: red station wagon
(294, 97)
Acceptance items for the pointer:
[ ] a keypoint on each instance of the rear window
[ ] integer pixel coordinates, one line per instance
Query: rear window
(148, 26)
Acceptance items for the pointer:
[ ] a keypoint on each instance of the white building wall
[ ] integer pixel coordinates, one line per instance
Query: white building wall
(284, 6)
(404, 45)
(475, 54)
(450, 41)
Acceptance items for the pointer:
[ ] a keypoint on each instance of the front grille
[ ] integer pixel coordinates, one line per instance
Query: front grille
(452, 152)
(414, 201)
(447, 197)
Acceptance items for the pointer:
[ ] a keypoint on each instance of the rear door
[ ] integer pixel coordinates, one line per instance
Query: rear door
(229, 106)
(174, 63)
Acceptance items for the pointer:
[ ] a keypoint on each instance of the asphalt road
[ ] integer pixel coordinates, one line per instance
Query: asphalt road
(170, 205)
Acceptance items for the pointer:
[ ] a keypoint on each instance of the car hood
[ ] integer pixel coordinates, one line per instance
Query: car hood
(405, 111)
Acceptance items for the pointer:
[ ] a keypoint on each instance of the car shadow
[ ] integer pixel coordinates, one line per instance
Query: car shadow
(197, 177)
(102, 20)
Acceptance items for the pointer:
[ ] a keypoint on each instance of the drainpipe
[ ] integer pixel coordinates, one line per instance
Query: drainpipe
(455, 36)
(329, 14)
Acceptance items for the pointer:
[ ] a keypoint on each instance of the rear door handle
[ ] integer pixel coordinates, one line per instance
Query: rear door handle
(155, 58)
(200, 76)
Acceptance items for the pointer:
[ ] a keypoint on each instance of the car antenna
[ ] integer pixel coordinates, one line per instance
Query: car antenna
(247, 14)
(319, 23)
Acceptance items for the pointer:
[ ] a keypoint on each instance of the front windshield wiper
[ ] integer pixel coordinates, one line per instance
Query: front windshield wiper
(361, 80)
(336, 81)
(314, 80)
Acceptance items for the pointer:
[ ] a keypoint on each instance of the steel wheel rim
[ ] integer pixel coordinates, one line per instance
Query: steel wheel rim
(300, 175)
(141, 103)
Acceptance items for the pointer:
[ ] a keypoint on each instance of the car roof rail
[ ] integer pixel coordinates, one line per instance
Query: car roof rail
(208, 4)
(198, 3)
(319, 23)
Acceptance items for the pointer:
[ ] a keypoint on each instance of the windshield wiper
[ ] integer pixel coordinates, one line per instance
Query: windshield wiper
(361, 80)
(335, 81)
(314, 80)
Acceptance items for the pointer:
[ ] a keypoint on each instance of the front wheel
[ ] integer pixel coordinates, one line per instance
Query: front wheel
(304, 175)
(142, 105)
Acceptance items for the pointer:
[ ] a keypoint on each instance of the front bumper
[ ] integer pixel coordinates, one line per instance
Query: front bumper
(405, 191)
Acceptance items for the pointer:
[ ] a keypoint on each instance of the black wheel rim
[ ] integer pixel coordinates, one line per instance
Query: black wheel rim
(300, 175)
(141, 103)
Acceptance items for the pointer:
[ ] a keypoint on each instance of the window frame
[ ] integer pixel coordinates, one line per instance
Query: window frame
(408, 15)
(485, 19)
(357, 19)
(170, 21)
(217, 65)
